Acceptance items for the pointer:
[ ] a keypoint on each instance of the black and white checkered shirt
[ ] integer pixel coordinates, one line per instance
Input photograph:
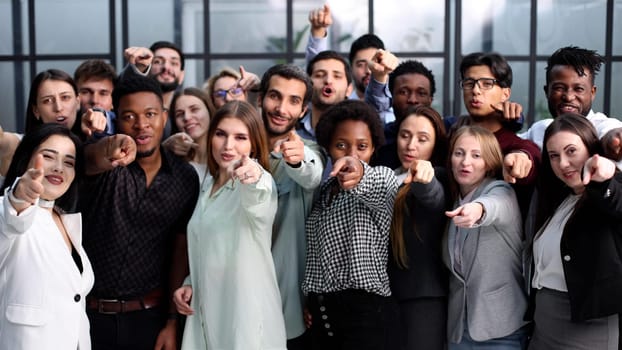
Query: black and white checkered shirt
(348, 235)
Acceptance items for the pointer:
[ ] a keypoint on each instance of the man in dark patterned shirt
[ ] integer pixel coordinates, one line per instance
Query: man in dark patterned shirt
(135, 213)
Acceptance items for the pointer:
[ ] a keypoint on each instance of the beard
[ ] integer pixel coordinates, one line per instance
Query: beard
(145, 154)
(168, 87)
(360, 85)
(272, 132)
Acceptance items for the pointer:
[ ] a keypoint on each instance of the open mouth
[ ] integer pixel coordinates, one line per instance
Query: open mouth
(327, 91)
(143, 139)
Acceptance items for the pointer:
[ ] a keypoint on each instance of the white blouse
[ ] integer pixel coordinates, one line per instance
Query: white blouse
(549, 271)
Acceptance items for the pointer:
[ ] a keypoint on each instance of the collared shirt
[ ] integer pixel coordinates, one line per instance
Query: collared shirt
(348, 235)
(129, 228)
(296, 187)
(601, 122)
(305, 128)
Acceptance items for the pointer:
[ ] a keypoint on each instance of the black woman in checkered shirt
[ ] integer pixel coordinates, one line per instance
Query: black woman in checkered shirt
(348, 234)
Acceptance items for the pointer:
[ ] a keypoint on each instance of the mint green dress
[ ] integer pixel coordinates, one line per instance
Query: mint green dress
(235, 298)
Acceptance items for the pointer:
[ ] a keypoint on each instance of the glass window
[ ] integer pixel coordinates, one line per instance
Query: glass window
(12, 117)
(616, 87)
(541, 106)
(485, 26)
(421, 25)
(76, 27)
(150, 21)
(67, 66)
(617, 27)
(247, 26)
(571, 22)
(192, 26)
(194, 73)
(6, 27)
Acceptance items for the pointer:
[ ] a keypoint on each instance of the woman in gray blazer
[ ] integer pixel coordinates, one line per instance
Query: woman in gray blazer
(482, 248)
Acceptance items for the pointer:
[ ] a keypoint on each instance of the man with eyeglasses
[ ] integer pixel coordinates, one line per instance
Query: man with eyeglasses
(486, 81)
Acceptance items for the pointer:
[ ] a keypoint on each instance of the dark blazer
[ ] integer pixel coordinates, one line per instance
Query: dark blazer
(426, 275)
(591, 250)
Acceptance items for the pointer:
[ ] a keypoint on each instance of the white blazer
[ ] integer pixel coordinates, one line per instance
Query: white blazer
(42, 293)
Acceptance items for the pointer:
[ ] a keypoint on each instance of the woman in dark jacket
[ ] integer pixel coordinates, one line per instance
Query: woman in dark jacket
(417, 274)
(576, 270)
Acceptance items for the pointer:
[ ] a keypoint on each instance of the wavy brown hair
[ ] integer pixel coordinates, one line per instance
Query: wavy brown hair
(400, 208)
(248, 115)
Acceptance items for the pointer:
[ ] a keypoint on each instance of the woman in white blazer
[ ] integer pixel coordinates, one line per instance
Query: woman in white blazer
(483, 248)
(44, 273)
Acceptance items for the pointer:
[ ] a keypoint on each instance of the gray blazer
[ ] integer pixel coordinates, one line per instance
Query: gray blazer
(490, 293)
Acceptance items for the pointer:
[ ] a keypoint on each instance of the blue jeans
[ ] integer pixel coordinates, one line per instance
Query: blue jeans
(514, 341)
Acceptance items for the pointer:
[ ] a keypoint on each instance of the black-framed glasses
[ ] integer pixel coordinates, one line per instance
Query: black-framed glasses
(482, 83)
(234, 91)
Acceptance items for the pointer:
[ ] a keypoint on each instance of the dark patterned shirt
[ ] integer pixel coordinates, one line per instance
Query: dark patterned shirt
(348, 235)
(129, 229)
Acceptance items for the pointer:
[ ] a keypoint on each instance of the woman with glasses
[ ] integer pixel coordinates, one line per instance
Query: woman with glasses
(229, 85)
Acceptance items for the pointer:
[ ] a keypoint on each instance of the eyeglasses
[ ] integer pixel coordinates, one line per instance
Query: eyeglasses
(234, 91)
(482, 83)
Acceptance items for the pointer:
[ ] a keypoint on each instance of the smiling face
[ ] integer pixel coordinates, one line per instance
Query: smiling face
(415, 140)
(166, 68)
(568, 92)
(478, 101)
(230, 142)
(56, 103)
(351, 138)
(282, 105)
(330, 83)
(191, 116)
(567, 154)
(59, 160)
(467, 164)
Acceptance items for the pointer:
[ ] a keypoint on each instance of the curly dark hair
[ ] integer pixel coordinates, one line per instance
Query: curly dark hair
(412, 67)
(349, 110)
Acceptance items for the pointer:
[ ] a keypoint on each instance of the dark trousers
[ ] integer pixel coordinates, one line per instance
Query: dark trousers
(137, 330)
(423, 323)
(348, 320)
(302, 342)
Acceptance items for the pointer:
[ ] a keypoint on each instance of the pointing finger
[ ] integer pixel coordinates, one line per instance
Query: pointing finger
(453, 213)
